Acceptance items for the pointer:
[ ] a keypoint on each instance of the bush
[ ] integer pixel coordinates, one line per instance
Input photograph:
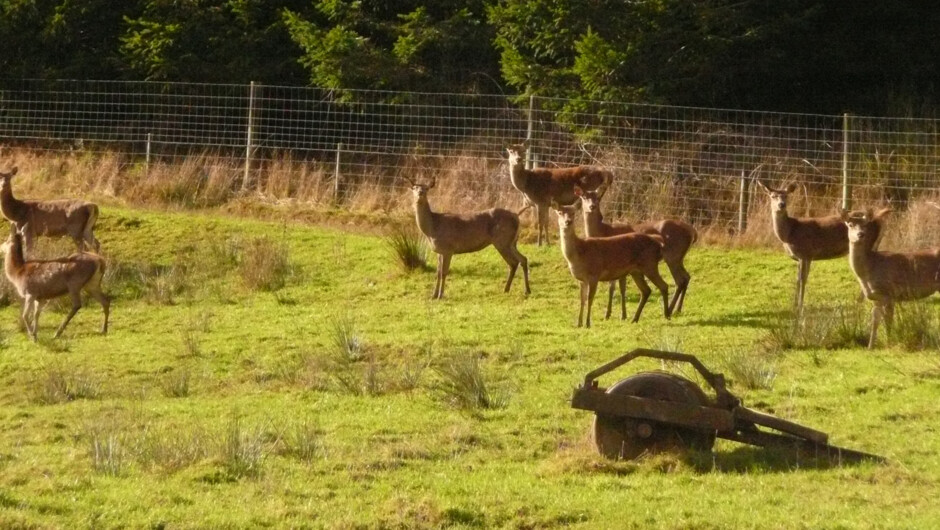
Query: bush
(407, 245)
(264, 264)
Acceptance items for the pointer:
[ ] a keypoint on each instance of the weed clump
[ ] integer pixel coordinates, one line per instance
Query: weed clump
(60, 385)
(264, 264)
(819, 327)
(916, 327)
(408, 247)
(465, 385)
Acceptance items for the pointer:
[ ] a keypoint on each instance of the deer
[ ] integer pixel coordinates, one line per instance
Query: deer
(808, 239)
(452, 233)
(542, 186)
(677, 235)
(887, 277)
(63, 217)
(595, 259)
(38, 281)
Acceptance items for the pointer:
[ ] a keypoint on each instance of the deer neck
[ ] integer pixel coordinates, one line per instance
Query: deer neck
(518, 177)
(783, 224)
(592, 223)
(859, 252)
(569, 243)
(11, 207)
(424, 216)
(13, 261)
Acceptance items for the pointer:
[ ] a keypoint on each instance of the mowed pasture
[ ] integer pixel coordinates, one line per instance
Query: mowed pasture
(273, 373)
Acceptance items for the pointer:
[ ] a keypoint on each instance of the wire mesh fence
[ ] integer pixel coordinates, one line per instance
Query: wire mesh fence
(681, 161)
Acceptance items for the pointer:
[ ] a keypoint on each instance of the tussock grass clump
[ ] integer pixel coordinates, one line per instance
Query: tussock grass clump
(408, 247)
(242, 450)
(176, 384)
(302, 440)
(820, 327)
(172, 447)
(752, 370)
(916, 327)
(349, 345)
(62, 384)
(465, 385)
(264, 264)
(108, 454)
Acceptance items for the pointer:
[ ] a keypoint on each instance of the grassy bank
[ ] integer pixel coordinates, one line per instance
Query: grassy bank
(266, 373)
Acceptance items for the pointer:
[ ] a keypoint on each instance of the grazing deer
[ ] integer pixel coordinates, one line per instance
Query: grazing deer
(808, 239)
(38, 281)
(451, 234)
(595, 259)
(65, 217)
(542, 186)
(887, 277)
(678, 237)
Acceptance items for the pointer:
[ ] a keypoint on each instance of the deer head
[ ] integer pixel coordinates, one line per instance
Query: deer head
(861, 224)
(778, 197)
(590, 200)
(5, 177)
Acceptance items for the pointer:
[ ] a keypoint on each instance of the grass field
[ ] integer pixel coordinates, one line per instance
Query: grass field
(272, 374)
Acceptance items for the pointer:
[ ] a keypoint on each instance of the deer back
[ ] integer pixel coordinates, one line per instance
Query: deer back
(610, 258)
(904, 276)
(818, 238)
(547, 184)
(58, 217)
(678, 235)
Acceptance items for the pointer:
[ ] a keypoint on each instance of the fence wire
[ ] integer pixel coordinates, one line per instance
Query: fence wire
(667, 160)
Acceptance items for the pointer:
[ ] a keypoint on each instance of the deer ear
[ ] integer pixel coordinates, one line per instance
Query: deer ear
(14, 170)
(791, 187)
(844, 214)
(578, 192)
(762, 185)
(433, 182)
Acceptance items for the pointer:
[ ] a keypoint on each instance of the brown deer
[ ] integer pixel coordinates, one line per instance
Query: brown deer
(808, 239)
(887, 277)
(595, 259)
(451, 234)
(38, 281)
(65, 217)
(678, 236)
(542, 186)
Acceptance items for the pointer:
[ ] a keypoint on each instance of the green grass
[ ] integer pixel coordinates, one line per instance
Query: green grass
(212, 403)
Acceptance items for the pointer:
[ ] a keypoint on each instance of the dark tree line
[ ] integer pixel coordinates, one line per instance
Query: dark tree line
(866, 56)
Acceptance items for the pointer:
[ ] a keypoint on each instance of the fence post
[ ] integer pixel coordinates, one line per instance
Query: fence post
(743, 203)
(528, 133)
(846, 189)
(336, 174)
(147, 157)
(248, 146)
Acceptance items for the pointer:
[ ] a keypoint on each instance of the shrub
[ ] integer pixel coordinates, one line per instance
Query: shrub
(819, 327)
(916, 327)
(754, 371)
(58, 385)
(242, 451)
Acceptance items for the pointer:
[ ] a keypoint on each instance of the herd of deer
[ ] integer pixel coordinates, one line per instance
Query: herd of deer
(608, 252)
(611, 252)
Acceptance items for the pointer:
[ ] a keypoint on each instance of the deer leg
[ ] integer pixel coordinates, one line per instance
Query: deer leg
(445, 268)
(518, 258)
(28, 303)
(583, 297)
(513, 261)
(542, 212)
(644, 294)
(437, 279)
(803, 270)
(592, 290)
(876, 312)
(105, 302)
(623, 297)
(610, 299)
(682, 278)
(76, 305)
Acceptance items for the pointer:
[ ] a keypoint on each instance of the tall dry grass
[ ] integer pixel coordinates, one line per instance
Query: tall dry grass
(645, 187)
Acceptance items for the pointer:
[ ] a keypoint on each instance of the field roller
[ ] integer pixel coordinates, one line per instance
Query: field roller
(651, 412)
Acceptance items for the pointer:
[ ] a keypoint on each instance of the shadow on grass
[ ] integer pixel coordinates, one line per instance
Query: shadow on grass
(751, 459)
(762, 319)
